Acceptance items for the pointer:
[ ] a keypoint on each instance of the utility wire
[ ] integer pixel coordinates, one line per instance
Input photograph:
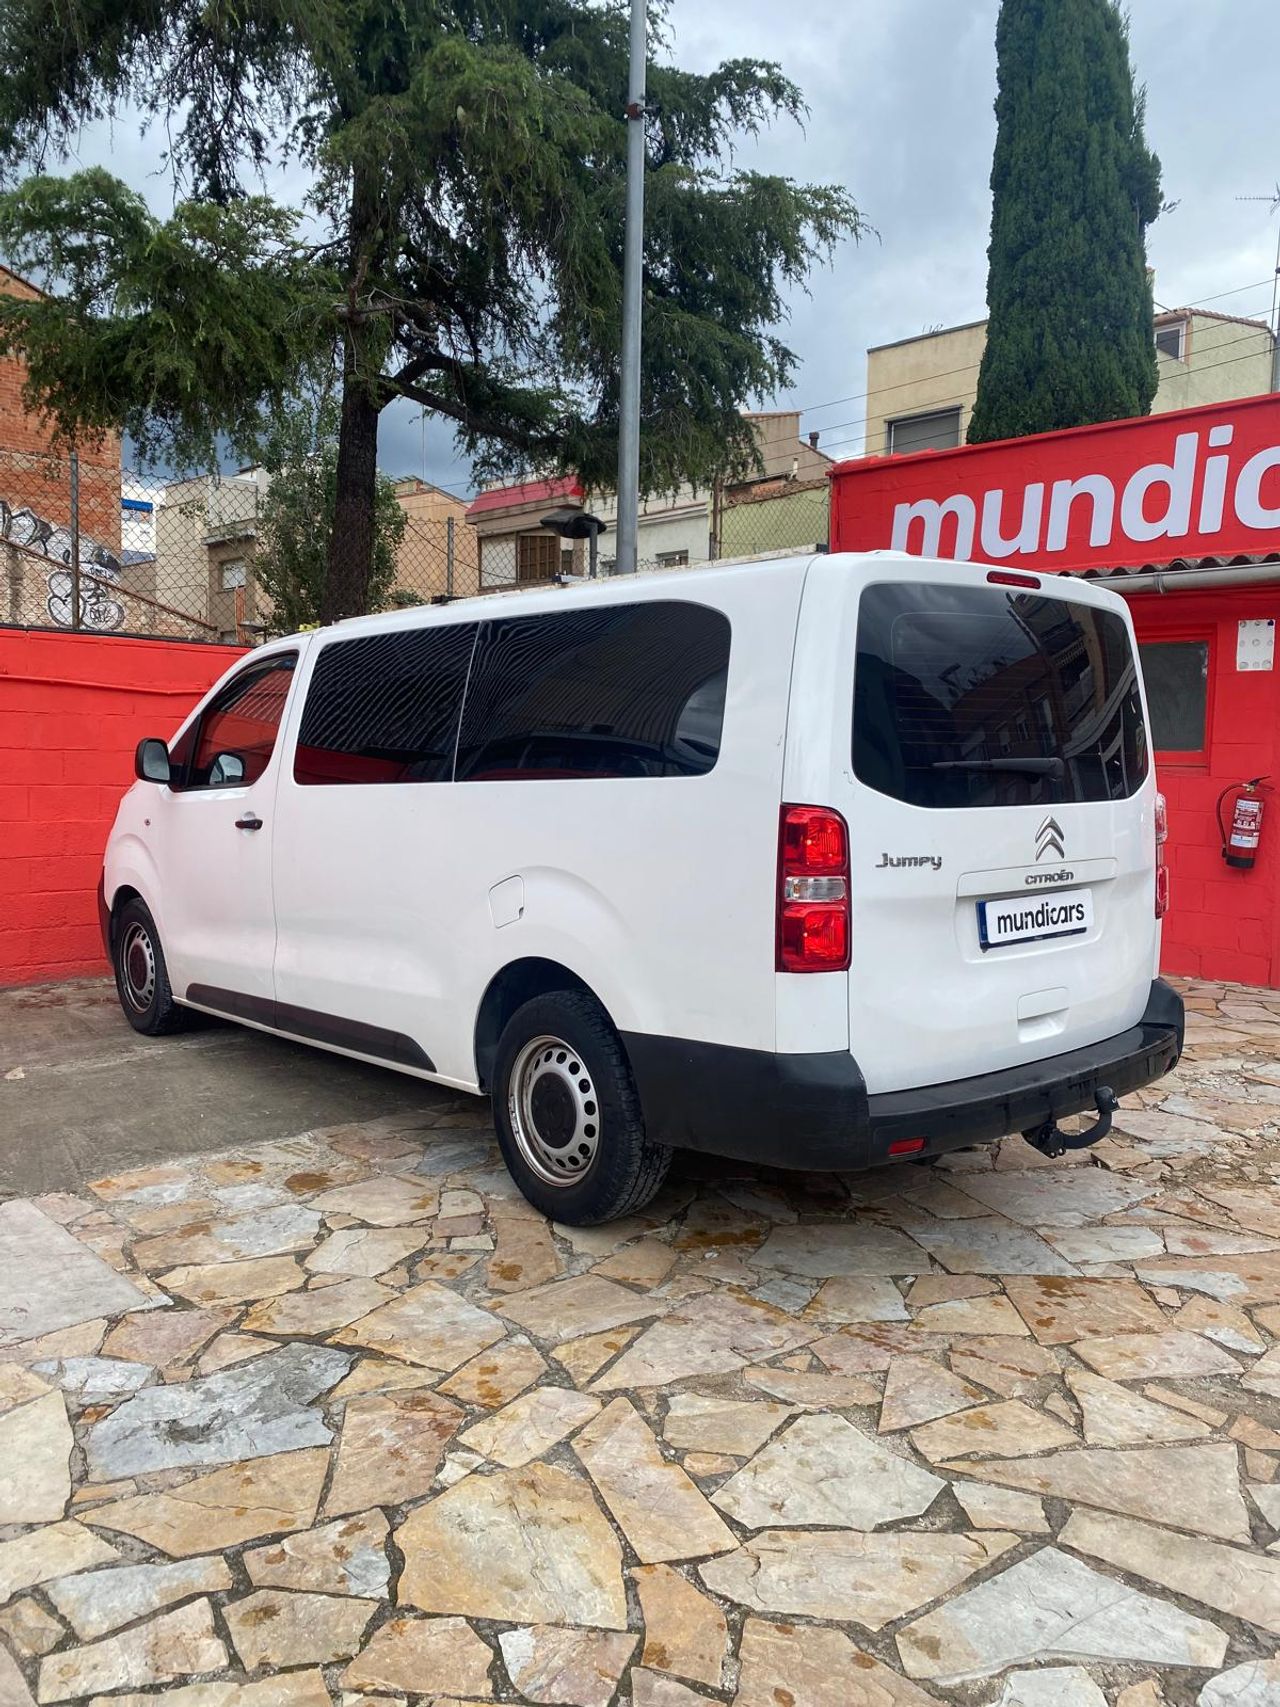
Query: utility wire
(938, 403)
(970, 367)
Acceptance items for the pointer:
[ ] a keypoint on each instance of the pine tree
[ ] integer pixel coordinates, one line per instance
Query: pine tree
(466, 164)
(1069, 340)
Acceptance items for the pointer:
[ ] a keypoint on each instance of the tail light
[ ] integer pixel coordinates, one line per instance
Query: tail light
(814, 932)
(1162, 870)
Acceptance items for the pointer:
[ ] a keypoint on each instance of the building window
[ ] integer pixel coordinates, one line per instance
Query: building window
(233, 574)
(672, 559)
(1171, 340)
(1177, 677)
(938, 430)
(537, 557)
(566, 560)
(497, 562)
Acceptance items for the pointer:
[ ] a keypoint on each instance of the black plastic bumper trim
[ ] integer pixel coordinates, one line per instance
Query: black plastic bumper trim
(813, 1111)
(104, 917)
(353, 1034)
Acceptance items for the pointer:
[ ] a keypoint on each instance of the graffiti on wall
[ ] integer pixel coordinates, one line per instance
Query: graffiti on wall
(36, 536)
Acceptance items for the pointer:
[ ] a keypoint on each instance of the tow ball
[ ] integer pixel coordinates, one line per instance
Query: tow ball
(1051, 1141)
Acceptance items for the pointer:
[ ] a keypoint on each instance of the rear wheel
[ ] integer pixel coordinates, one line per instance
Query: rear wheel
(142, 979)
(568, 1116)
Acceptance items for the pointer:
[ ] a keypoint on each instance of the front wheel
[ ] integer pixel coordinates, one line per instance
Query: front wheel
(142, 978)
(568, 1115)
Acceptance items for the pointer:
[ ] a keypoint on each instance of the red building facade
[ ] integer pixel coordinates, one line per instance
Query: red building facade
(1181, 513)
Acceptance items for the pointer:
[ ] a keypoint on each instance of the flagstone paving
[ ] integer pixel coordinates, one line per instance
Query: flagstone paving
(338, 1421)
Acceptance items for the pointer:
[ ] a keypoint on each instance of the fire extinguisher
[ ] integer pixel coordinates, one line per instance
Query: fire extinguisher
(1240, 841)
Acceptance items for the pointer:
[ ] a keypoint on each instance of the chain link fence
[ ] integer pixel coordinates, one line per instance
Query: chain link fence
(85, 544)
(773, 517)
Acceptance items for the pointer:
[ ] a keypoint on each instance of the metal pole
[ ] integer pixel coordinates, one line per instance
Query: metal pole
(75, 540)
(593, 549)
(448, 553)
(1275, 322)
(633, 256)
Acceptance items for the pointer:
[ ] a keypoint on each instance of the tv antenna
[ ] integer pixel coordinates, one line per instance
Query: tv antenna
(1273, 202)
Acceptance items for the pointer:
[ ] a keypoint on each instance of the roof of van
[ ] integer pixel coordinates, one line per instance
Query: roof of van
(683, 583)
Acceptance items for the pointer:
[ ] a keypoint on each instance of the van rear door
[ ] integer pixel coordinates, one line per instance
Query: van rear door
(1001, 812)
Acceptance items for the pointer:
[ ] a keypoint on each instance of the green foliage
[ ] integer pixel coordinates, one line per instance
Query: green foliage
(173, 330)
(1075, 186)
(291, 564)
(467, 168)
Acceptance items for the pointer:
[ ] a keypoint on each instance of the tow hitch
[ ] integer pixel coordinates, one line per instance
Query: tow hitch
(1051, 1141)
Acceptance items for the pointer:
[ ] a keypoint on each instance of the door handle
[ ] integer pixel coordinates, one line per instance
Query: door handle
(250, 821)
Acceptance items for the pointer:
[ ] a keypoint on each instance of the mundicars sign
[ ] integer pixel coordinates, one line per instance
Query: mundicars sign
(1192, 483)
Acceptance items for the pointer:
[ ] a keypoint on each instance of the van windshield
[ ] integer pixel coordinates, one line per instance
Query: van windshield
(981, 696)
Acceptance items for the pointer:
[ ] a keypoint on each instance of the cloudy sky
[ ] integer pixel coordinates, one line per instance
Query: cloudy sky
(900, 95)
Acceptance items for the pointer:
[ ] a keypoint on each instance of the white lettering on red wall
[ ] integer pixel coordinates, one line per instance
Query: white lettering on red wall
(1192, 483)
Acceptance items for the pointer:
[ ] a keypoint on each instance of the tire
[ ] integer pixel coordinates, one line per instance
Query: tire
(142, 978)
(579, 1155)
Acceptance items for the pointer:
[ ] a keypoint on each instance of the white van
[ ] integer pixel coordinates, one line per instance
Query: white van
(814, 862)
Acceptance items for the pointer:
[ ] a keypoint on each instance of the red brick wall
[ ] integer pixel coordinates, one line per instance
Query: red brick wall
(72, 709)
(34, 473)
(1223, 923)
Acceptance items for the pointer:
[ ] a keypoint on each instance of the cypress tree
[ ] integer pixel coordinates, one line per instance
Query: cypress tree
(1069, 340)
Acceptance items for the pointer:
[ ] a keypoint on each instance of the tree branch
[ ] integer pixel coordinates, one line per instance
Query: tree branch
(478, 422)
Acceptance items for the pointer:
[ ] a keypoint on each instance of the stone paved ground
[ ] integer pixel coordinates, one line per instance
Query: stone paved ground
(339, 1419)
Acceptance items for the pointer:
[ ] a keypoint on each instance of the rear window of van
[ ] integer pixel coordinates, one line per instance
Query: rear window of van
(980, 696)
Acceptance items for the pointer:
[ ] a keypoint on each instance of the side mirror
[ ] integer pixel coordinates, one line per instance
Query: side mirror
(226, 770)
(151, 761)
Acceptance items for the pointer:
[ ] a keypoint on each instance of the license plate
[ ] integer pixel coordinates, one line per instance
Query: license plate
(1027, 918)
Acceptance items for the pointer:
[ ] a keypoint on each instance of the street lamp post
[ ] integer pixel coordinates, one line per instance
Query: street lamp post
(632, 268)
(576, 524)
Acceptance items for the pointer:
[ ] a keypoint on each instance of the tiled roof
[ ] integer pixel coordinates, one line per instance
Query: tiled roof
(528, 492)
(1167, 314)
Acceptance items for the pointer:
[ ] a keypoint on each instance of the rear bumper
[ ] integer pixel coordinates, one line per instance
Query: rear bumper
(813, 1111)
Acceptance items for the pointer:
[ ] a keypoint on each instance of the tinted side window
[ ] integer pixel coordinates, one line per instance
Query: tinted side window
(384, 707)
(624, 690)
(232, 742)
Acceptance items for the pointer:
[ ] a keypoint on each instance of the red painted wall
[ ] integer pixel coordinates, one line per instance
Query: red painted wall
(1223, 923)
(72, 709)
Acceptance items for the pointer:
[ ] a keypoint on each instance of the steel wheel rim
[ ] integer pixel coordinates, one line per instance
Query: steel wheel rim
(138, 967)
(554, 1111)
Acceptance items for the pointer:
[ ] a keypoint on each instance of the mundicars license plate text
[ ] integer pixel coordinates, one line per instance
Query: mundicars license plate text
(1022, 918)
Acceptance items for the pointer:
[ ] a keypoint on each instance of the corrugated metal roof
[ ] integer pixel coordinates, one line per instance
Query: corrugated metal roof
(1173, 564)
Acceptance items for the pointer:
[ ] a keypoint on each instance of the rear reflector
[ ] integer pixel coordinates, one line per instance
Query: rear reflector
(906, 1146)
(813, 923)
(1162, 870)
(1007, 578)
